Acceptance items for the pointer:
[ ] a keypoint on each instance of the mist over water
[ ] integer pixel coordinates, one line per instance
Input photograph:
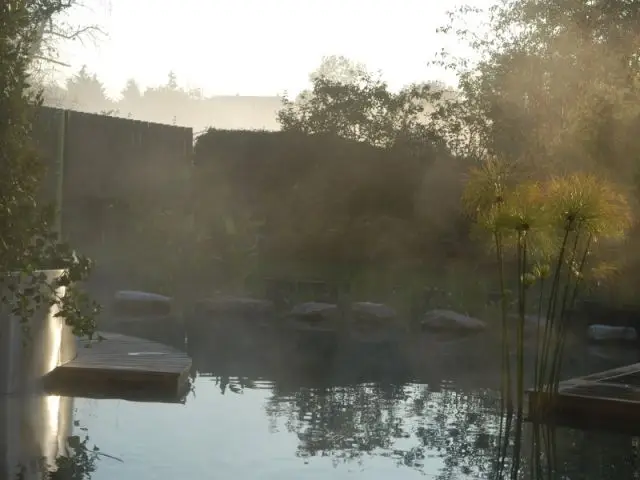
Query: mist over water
(268, 415)
(356, 214)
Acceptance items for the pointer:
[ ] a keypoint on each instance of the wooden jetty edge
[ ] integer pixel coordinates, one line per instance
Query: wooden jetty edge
(607, 400)
(119, 366)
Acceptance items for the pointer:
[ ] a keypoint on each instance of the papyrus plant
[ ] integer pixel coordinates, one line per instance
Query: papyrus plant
(549, 229)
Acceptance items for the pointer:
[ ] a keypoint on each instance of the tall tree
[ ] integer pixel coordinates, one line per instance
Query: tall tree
(131, 92)
(558, 82)
(167, 103)
(339, 69)
(52, 28)
(130, 102)
(172, 81)
(85, 91)
(348, 101)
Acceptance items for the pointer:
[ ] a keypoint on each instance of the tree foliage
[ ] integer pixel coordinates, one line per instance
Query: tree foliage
(556, 84)
(320, 201)
(553, 88)
(84, 87)
(348, 101)
(28, 242)
(51, 28)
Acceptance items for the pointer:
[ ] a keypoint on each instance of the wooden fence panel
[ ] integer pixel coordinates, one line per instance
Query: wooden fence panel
(108, 163)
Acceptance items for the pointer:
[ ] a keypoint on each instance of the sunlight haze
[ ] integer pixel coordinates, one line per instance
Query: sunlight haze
(252, 47)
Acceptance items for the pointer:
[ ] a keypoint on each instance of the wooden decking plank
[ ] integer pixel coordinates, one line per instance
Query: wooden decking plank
(600, 400)
(607, 374)
(119, 366)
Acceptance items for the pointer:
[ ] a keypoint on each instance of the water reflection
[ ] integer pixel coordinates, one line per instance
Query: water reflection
(442, 428)
(33, 428)
(38, 441)
(535, 451)
(289, 415)
(77, 461)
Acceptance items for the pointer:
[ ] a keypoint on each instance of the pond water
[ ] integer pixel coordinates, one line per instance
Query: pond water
(242, 420)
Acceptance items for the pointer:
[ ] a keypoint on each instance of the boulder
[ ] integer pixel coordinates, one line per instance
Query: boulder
(235, 305)
(132, 303)
(315, 311)
(450, 321)
(139, 296)
(372, 311)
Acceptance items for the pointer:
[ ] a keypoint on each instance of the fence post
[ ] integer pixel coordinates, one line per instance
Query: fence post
(60, 154)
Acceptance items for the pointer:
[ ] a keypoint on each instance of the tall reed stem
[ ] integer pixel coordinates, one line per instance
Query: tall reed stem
(551, 309)
(506, 362)
(522, 300)
(517, 446)
(561, 327)
(567, 313)
(537, 348)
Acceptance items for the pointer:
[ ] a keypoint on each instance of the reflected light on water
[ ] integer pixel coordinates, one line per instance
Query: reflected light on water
(52, 425)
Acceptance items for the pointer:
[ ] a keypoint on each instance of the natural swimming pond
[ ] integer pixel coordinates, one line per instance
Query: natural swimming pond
(245, 419)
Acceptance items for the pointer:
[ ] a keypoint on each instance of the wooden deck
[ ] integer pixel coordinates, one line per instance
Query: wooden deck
(119, 366)
(607, 400)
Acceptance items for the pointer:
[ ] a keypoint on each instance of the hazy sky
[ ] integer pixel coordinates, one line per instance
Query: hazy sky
(256, 47)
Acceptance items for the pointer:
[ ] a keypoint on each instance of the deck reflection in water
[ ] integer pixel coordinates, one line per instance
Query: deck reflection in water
(311, 415)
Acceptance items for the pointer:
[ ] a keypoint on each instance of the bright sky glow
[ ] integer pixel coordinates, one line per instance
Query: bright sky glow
(256, 47)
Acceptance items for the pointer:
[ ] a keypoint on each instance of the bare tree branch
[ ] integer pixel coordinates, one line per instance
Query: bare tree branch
(77, 34)
(51, 28)
(50, 60)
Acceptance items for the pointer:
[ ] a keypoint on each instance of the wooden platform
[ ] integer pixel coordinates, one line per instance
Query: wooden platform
(119, 366)
(607, 400)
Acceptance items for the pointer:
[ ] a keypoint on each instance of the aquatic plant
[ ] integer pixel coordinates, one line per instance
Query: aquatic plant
(549, 228)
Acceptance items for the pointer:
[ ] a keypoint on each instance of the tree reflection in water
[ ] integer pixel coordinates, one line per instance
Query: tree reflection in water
(343, 422)
(406, 423)
(465, 431)
(536, 451)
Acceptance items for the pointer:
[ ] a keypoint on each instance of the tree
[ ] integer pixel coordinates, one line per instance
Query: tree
(85, 91)
(131, 92)
(51, 27)
(54, 95)
(172, 81)
(348, 101)
(339, 69)
(131, 98)
(549, 112)
(557, 84)
(556, 88)
(167, 103)
(28, 242)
